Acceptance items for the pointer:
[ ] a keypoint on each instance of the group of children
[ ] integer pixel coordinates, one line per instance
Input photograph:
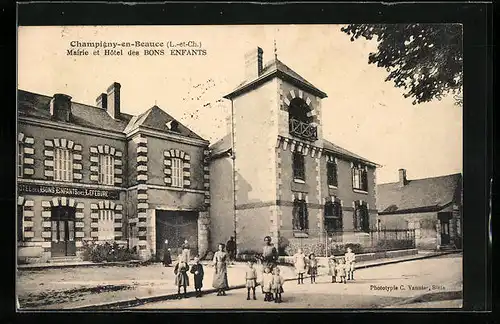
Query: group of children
(271, 283)
(181, 270)
(341, 269)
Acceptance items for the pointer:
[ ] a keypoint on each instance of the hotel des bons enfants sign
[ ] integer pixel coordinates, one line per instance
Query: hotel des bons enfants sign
(51, 190)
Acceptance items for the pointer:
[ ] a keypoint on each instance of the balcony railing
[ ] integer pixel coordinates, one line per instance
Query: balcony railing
(303, 130)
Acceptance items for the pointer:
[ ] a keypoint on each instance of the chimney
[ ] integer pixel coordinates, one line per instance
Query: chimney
(113, 99)
(402, 177)
(253, 63)
(102, 101)
(60, 107)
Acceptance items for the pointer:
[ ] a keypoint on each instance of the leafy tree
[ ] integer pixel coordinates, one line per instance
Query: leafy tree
(424, 59)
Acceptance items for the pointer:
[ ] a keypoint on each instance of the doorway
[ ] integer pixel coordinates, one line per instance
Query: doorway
(176, 227)
(63, 231)
(444, 219)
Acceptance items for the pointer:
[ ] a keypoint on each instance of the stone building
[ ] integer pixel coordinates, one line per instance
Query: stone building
(274, 174)
(95, 173)
(430, 206)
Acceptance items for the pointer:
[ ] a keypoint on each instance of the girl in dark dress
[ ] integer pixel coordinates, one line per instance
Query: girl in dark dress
(197, 271)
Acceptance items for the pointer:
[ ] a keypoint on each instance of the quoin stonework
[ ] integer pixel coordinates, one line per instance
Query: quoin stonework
(94, 173)
(286, 179)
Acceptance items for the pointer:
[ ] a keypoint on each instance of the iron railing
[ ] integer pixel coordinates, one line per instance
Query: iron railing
(303, 130)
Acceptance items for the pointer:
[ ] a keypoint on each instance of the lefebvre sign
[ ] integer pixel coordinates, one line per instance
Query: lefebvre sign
(68, 191)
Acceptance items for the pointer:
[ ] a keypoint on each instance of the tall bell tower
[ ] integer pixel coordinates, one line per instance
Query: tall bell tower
(276, 112)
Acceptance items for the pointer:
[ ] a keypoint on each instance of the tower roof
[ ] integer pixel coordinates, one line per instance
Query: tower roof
(270, 70)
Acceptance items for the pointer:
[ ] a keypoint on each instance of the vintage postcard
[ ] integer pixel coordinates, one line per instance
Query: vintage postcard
(239, 167)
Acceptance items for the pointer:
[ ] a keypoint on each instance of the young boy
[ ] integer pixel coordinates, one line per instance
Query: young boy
(197, 271)
(251, 280)
(350, 258)
(181, 277)
(266, 282)
(277, 285)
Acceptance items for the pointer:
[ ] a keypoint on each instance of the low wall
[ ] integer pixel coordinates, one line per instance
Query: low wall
(322, 261)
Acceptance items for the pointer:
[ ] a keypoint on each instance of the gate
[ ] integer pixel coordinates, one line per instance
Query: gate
(176, 227)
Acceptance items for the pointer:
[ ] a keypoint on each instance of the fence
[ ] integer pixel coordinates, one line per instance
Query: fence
(328, 243)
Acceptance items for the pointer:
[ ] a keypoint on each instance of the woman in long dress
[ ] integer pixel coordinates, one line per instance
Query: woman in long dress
(220, 276)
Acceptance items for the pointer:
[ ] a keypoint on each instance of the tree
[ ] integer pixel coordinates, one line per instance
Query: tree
(424, 59)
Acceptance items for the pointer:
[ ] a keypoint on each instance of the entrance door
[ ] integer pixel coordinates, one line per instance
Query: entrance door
(63, 231)
(445, 231)
(176, 226)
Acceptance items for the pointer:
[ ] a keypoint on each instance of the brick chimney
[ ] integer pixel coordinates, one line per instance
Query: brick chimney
(102, 101)
(113, 98)
(253, 63)
(402, 178)
(60, 107)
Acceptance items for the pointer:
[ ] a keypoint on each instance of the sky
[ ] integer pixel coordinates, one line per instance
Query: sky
(362, 113)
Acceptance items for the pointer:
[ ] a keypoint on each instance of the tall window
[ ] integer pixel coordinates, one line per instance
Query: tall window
(333, 216)
(20, 227)
(361, 217)
(359, 178)
(298, 166)
(177, 173)
(63, 165)
(331, 169)
(20, 160)
(106, 169)
(106, 229)
(300, 216)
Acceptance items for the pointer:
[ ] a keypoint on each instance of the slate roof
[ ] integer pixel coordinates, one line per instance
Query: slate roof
(156, 118)
(220, 147)
(223, 145)
(271, 69)
(38, 106)
(329, 146)
(421, 195)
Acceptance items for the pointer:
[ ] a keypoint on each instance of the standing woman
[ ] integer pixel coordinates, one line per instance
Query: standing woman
(220, 275)
(167, 258)
(186, 252)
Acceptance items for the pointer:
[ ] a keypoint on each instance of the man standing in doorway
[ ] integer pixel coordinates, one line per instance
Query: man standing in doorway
(231, 249)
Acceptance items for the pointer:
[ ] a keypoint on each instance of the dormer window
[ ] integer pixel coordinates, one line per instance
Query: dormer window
(173, 126)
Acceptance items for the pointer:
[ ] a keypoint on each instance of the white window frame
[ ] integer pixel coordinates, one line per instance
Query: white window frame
(177, 172)
(63, 165)
(20, 161)
(106, 169)
(106, 228)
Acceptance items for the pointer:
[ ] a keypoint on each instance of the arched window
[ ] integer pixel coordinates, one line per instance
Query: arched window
(333, 216)
(361, 217)
(301, 120)
(298, 109)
